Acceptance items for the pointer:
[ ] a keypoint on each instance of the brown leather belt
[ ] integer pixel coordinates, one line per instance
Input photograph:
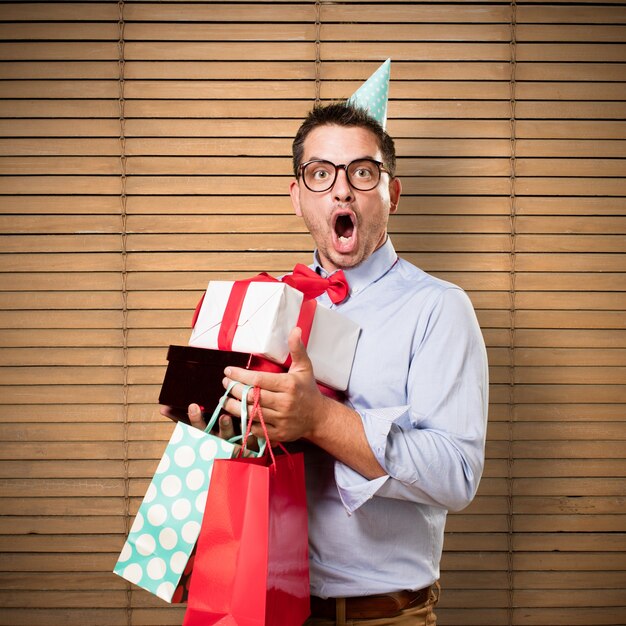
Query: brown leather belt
(370, 607)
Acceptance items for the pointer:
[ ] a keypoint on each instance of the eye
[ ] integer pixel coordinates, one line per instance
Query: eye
(363, 171)
(319, 173)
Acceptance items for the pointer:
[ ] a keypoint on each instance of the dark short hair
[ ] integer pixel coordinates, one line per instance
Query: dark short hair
(343, 114)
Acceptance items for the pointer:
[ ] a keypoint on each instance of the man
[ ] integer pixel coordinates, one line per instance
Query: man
(407, 445)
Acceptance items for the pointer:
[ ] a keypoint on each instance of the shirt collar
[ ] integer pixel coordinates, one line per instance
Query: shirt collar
(368, 272)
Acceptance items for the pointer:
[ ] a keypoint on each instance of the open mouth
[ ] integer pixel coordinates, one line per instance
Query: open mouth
(344, 227)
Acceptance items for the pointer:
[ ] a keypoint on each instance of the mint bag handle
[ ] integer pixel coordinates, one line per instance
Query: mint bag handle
(218, 409)
(244, 417)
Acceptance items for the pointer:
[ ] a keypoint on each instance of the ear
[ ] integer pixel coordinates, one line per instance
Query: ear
(395, 190)
(294, 192)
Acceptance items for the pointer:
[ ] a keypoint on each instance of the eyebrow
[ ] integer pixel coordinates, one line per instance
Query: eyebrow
(359, 158)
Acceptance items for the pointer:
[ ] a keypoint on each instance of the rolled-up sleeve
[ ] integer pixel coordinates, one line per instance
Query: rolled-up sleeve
(432, 448)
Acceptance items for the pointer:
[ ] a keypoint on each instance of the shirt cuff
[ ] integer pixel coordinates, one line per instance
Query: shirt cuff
(354, 489)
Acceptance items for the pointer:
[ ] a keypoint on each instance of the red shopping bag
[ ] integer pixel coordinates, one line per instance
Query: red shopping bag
(251, 566)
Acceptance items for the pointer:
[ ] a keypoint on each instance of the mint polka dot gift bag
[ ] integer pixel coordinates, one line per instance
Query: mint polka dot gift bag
(165, 530)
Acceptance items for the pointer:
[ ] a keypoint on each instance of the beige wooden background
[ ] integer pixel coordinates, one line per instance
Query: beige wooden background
(145, 150)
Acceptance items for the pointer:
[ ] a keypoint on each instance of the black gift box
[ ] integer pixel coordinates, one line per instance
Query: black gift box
(195, 375)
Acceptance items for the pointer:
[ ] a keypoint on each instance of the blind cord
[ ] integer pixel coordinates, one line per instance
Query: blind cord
(512, 320)
(124, 277)
(318, 52)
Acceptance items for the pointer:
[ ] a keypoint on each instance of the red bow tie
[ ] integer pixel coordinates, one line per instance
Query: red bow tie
(311, 284)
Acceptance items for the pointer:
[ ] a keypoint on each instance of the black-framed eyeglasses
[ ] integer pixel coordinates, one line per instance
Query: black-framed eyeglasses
(363, 174)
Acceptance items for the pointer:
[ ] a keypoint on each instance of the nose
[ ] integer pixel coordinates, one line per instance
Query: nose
(341, 189)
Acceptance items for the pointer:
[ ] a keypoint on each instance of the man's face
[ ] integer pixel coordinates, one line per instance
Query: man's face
(346, 224)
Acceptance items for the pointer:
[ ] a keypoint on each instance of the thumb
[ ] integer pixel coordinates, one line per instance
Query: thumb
(299, 357)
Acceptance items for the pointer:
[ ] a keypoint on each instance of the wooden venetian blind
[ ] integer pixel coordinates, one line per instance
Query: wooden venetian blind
(145, 150)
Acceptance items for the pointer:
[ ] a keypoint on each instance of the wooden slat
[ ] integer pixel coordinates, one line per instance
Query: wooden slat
(559, 82)
(102, 281)
(585, 53)
(51, 165)
(573, 262)
(50, 617)
(570, 167)
(571, 281)
(571, 32)
(568, 205)
(575, 110)
(70, 337)
(71, 69)
(577, 15)
(55, 127)
(569, 356)
(203, 51)
(574, 300)
(576, 224)
(575, 129)
(41, 30)
(217, 11)
(62, 357)
(570, 338)
(226, 32)
(530, 394)
(63, 51)
(61, 89)
(565, 147)
(57, 11)
(571, 243)
(50, 581)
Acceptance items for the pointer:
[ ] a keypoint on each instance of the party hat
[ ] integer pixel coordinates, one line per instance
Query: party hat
(373, 93)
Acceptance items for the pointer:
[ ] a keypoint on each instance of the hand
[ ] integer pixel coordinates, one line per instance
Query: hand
(293, 408)
(292, 405)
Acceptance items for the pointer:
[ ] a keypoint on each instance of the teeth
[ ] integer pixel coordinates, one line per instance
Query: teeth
(344, 239)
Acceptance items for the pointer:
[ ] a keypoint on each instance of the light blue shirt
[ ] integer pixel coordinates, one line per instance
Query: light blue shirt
(420, 383)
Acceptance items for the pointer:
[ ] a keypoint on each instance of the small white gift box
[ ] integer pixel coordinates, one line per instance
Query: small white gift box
(269, 311)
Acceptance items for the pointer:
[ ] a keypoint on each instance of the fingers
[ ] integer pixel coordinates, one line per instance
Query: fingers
(227, 431)
(179, 415)
(195, 416)
(247, 452)
(237, 391)
(226, 428)
(265, 380)
(252, 445)
(299, 357)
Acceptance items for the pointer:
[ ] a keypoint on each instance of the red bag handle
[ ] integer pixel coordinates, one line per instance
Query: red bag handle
(257, 410)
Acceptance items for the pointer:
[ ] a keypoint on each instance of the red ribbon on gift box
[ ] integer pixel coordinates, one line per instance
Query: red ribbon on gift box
(304, 279)
(301, 280)
(230, 319)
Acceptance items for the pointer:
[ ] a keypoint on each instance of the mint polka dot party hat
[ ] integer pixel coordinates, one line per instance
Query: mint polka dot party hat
(373, 94)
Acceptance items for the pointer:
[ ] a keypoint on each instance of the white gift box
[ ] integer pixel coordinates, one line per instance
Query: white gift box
(269, 311)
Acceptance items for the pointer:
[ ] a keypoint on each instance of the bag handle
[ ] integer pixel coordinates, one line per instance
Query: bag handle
(219, 408)
(258, 412)
(244, 427)
(244, 417)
